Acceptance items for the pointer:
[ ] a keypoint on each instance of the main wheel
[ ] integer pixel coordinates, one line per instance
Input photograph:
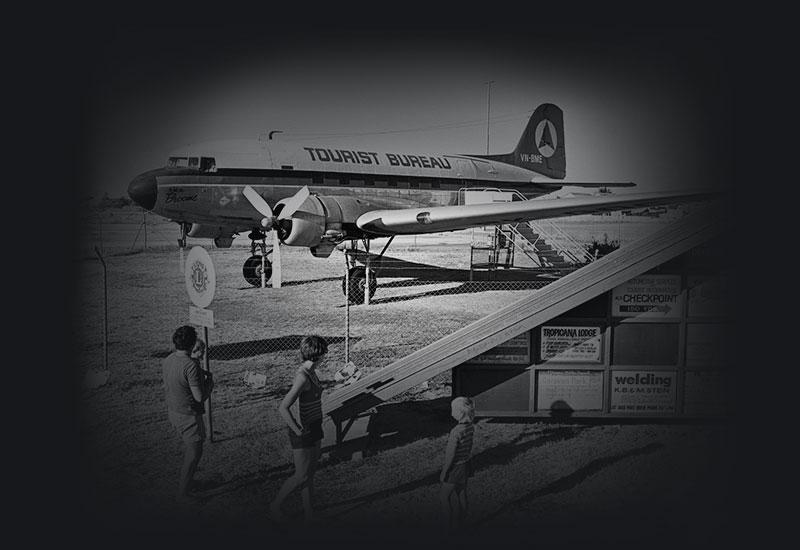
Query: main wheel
(252, 270)
(358, 282)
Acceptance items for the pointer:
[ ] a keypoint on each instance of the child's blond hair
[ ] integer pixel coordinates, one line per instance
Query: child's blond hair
(464, 408)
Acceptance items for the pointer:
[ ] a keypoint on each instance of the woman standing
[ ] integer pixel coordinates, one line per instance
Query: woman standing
(305, 435)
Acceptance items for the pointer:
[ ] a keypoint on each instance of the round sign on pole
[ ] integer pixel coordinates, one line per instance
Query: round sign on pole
(201, 281)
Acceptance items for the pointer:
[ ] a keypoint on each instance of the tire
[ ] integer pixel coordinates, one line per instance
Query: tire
(358, 280)
(252, 270)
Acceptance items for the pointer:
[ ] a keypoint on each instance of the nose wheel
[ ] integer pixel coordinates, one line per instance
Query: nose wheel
(257, 263)
(253, 267)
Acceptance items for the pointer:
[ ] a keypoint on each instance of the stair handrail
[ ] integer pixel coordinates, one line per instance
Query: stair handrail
(573, 249)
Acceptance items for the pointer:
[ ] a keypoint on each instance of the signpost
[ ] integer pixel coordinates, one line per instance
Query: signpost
(201, 282)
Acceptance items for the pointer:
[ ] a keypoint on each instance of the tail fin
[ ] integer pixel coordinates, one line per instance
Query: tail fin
(541, 147)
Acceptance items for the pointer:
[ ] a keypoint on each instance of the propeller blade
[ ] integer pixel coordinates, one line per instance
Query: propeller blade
(293, 203)
(259, 204)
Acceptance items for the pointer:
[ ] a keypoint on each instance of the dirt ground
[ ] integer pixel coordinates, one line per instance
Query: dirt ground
(544, 480)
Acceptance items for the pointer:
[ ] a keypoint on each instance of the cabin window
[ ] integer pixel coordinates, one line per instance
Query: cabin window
(208, 164)
(317, 179)
(358, 183)
(194, 162)
(178, 162)
(392, 183)
(381, 183)
(369, 182)
(435, 185)
(414, 184)
(343, 180)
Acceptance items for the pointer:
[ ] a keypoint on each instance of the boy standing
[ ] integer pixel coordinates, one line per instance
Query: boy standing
(187, 387)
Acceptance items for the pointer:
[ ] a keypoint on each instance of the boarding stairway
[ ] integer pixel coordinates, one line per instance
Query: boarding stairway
(344, 406)
(543, 241)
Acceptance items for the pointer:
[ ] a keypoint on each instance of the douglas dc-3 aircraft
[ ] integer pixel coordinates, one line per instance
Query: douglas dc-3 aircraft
(323, 196)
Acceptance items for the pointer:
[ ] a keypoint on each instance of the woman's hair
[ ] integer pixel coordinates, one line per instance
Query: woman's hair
(463, 408)
(313, 347)
(184, 338)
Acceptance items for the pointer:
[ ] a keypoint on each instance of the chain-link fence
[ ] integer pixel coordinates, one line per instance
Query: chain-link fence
(428, 288)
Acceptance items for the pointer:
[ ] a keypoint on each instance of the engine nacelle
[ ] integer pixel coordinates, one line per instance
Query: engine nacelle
(322, 219)
(223, 238)
(199, 231)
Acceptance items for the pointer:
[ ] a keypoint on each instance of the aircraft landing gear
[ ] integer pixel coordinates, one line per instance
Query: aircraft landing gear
(257, 263)
(358, 284)
(354, 285)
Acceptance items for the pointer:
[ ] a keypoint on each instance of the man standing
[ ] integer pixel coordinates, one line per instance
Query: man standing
(187, 387)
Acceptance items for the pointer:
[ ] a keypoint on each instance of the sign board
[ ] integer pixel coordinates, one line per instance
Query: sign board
(706, 345)
(201, 317)
(705, 393)
(515, 351)
(707, 296)
(201, 280)
(577, 390)
(571, 344)
(656, 296)
(643, 391)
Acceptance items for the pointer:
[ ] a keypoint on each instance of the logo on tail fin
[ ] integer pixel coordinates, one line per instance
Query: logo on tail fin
(546, 138)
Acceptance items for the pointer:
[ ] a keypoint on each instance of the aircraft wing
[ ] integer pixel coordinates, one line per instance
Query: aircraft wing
(412, 221)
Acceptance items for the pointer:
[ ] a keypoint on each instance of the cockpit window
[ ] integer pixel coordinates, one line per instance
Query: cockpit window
(193, 162)
(178, 162)
(208, 164)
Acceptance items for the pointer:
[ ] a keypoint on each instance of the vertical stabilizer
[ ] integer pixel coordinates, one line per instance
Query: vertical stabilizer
(541, 147)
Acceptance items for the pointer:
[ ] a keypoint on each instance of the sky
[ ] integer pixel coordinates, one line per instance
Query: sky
(649, 106)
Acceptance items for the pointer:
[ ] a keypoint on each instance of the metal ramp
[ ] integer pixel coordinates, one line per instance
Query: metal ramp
(344, 406)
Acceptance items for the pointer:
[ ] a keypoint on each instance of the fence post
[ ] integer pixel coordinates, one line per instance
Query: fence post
(346, 307)
(208, 401)
(105, 308)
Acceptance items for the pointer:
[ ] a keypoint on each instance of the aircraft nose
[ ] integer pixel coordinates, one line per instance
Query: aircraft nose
(143, 190)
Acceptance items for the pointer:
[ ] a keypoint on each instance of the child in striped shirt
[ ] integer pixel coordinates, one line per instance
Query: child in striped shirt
(457, 468)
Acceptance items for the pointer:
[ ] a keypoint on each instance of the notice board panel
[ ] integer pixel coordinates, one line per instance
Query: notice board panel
(496, 390)
(574, 390)
(571, 344)
(643, 391)
(645, 344)
(707, 295)
(516, 351)
(706, 393)
(707, 345)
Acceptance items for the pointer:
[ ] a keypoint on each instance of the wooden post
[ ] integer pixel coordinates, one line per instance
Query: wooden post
(105, 309)
(277, 276)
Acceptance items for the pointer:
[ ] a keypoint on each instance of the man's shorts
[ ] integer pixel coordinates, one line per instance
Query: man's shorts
(190, 427)
(308, 438)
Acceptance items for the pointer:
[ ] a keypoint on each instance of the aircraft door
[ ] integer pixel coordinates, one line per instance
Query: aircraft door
(464, 170)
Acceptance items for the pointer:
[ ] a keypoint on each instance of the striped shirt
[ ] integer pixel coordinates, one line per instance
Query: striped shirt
(310, 400)
(463, 433)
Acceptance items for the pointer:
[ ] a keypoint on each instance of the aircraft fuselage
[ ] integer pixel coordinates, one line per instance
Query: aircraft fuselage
(208, 189)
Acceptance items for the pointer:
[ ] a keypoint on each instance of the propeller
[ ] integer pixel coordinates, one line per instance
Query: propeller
(261, 205)
(287, 207)
(294, 202)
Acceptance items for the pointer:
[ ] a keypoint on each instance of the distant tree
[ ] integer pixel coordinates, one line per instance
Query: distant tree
(117, 202)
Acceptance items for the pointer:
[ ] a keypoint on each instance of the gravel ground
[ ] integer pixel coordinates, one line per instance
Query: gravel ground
(538, 481)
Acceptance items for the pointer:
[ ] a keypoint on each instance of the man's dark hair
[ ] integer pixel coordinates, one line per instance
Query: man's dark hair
(184, 338)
